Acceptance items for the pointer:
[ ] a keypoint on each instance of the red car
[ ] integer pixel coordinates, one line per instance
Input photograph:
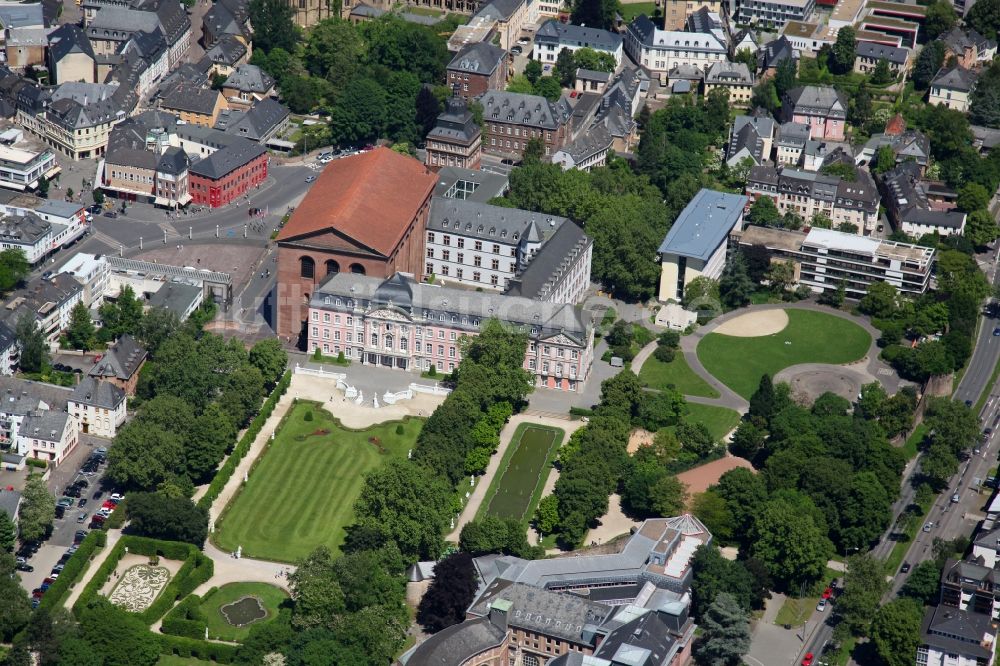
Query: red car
(808, 659)
(827, 593)
(109, 505)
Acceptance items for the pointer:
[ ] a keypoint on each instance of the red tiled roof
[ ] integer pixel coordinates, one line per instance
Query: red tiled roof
(896, 125)
(370, 197)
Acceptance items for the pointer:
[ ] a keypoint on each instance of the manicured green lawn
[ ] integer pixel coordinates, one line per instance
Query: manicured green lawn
(719, 420)
(795, 612)
(659, 375)
(810, 337)
(174, 660)
(630, 11)
(517, 487)
(913, 442)
(271, 598)
(301, 494)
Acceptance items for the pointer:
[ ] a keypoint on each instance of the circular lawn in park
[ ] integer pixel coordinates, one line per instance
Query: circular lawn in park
(810, 337)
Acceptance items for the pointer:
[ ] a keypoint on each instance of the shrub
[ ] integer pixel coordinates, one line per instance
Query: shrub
(188, 648)
(317, 355)
(186, 619)
(664, 354)
(308, 416)
(399, 429)
(433, 372)
(581, 411)
(340, 357)
(74, 568)
(34, 462)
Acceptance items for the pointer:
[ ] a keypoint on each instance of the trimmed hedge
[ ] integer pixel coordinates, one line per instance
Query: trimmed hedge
(196, 570)
(186, 647)
(74, 568)
(186, 619)
(35, 462)
(243, 445)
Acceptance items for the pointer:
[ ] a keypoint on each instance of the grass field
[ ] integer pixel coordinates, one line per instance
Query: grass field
(301, 494)
(517, 486)
(218, 628)
(173, 660)
(912, 446)
(810, 337)
(719, 420)
(630, 11)
(659, 375)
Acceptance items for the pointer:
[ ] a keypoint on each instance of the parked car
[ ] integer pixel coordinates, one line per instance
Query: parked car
(517, 50)
(24, 566)
(956, 498)
(310, 179)
(821, 605)
(928, 527)
(65, 501)
(57, 569)
(82, 503)
(82, 518)
(37, 593)
(79, 536)
(110, 213)
(98, 494)
(905, 568)
(47, 275)
(60, 511)
(808, 659)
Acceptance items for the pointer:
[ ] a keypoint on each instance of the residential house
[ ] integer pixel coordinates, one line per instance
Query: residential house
(750, 137)
(47, 435)
(910, 206)
(659, 51)
(455, 140)
(227, 20)
(226, 54)
(808, 193)
(476, 68)
(109, 23)
(790, 143)
(26, 47)
(50, 301)
(676, 12)
(98, 406)
(907, 146)
(870, 53)
(146, 54)
(969, 48)
(619, 106)
(508, 18)
(71, 57)
(825, 259)
(734, 77)
(776, 52)
(511, 119)
(29, 233)
(774, 13)
(489, 247)
(228, 173)
(10, 352)
(985, 139)
(23, 165)
(695, 246)
(951, 637)
(246, 86)
(141, 165)
(120, 364)
(92, 272)
(822, 108)
(365, 215)
(19, 398)
(952, 87)
(266, 120)
(587, 80)
(554, 36)
(10, 500)
(589, 150)
(194, 104)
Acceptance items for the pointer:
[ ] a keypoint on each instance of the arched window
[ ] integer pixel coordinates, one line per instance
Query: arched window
(307, 267)
(357, 269)
(332, 267)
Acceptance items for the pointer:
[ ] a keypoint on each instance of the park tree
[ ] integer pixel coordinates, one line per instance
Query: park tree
(928, 64)
(548, 87)
(981, 228)
(972, 197)
(34, 355)
(533, 71)
(595, 13)
(866, 512)
(712, 510)
(882, 74)
(547, 514)
(881, 300)
(895, 632)
(745, 495)
(160, 516)
(939, 19)
(273, 25)
(781, 276)
(144, 456)
(81, 331)
(449, 594)
(923, 583)
(565, 69)
(844, 51)
(661, 409)
(319, 599)
(713, 574)
(490, 534)
(789, 544)
(702, 291)
(985, 18)
(8, 533)
(534, 149)
(765, 402)
(748, 440)
(38, 510)
(15, 608)
(735, 285)
(130, 644)
(952, 423)
(596, 61)
(121, 317)
(725, 634)
(270, 358)
(405, 503)
(864, 585)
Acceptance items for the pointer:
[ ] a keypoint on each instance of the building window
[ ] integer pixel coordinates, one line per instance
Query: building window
(307, 267)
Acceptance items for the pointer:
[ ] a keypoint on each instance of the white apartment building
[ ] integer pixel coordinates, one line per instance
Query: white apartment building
(93, 274)
(554, 36)
(658, 51)
(21, 167)
(47, 435)
(774, 13)
(98, 406)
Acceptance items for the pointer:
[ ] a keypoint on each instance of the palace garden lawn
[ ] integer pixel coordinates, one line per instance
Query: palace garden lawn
(517, 487)
(809, 337)
(301, 493)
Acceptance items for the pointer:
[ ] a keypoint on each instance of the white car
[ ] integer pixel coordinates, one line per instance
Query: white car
(821, 606)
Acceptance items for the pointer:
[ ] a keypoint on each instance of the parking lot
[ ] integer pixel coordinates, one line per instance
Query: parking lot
(71, 471)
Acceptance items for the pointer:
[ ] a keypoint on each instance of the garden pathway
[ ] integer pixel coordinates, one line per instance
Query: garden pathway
(95, 564)
(483, 483)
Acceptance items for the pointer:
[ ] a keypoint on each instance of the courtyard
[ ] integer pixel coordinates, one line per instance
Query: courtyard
(301, 492)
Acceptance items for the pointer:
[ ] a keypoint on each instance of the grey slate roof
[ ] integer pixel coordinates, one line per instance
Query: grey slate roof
(26, 229)
(591, 75)
(176, 297)
(533, 609)
(955, 78)
(905, 194)
(728, 73)
(48, 425)
(495, 223)
(457, 643)
(878, 51)
(22, 15)
(10, 502)
(19, 396)
(556, 33)
(188, 97)
(818, 100)
(500, 9)
(118, 23)
(456, 124)
(478, 58)
(704, 224)
(104, 395)
(958, 40)
(547, 266)
(591, 142)
(528, 110)
(227, 51)
(121, 360)
(249, 78)
(431, 301)
(238, 153)
(66, 39)
(259, 121)
(776, 51)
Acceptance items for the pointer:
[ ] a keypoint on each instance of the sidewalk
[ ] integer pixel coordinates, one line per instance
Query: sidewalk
(113, 537)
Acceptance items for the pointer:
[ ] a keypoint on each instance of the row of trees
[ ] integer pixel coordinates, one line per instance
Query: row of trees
(196, 393)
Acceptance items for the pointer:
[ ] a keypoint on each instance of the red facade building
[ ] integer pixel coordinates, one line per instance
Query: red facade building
(228, 173)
